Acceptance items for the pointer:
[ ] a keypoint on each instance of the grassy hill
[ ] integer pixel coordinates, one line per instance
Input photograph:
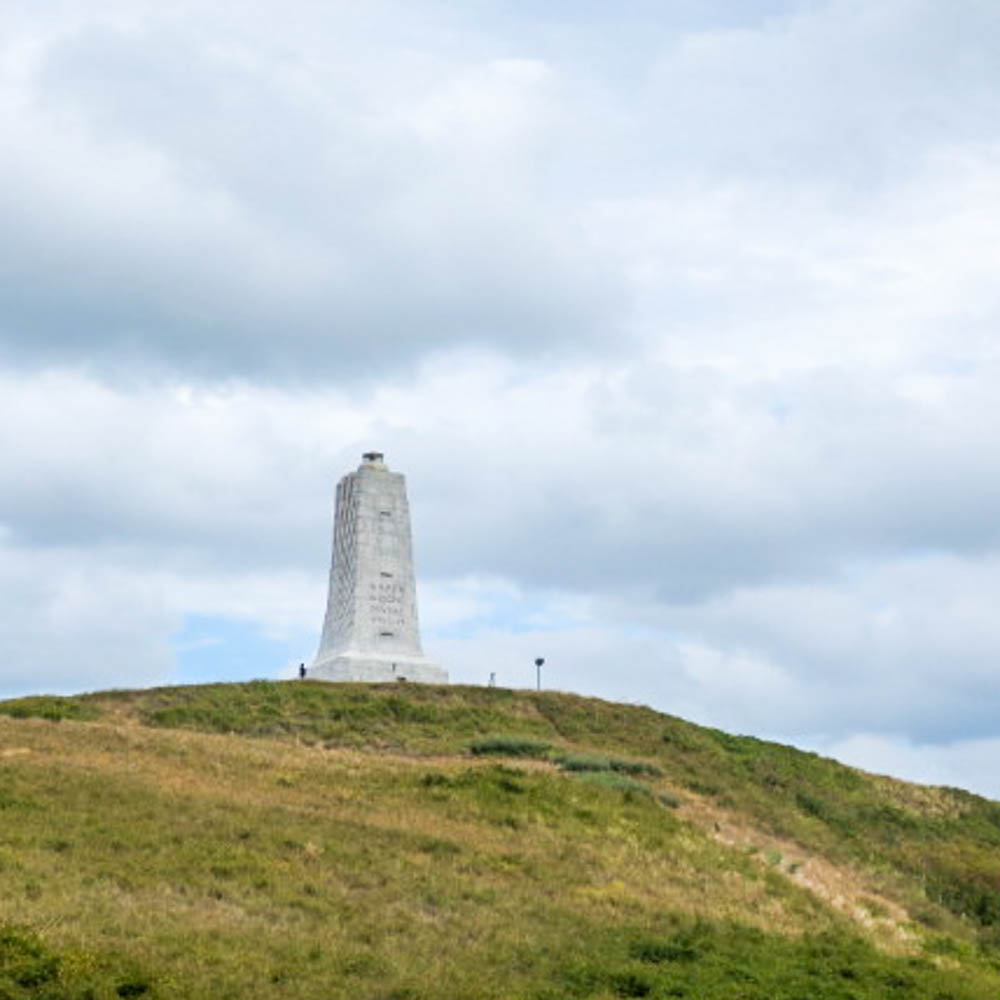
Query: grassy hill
(304, 840)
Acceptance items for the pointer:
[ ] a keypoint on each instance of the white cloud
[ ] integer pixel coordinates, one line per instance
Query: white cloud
(72, 621)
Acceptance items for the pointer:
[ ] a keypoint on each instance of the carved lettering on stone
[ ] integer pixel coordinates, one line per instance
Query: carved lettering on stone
(371, 632)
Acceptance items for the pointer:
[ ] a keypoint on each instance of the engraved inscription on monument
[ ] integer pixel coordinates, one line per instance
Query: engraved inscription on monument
(370, 632)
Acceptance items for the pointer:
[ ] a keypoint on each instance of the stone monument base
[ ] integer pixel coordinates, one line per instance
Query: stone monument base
(357, 666)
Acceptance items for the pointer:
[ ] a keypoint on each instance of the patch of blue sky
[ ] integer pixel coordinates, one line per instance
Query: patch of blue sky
(209, 648)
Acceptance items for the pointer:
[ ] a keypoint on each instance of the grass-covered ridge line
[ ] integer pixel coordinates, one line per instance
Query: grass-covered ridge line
(302, 839)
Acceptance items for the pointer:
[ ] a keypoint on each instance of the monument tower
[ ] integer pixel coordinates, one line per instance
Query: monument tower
(370, 632)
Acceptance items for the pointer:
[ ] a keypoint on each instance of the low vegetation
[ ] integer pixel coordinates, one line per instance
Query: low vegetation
(309, 840)
(510, 746)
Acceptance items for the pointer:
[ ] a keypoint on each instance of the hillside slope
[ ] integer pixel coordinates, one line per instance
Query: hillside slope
(300, 839)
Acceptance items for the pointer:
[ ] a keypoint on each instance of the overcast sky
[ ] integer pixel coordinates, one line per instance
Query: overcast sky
(681, 319)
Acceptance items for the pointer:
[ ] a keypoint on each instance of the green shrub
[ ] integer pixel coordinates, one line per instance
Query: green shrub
(433, 779)
(629, 984)
(24, 961)
(585, 762)
(509, 746)
(49, 707)
(619, 782)
(133, 988)
(634, 767)
(600, 762)
(700, 787)
(811, 806)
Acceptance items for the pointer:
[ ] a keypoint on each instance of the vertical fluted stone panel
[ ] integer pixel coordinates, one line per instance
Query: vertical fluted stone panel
(371, 632)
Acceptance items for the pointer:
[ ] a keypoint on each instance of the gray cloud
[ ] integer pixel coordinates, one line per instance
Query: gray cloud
(331, 195)
(224, 211)
(682, 485)
(703, 483)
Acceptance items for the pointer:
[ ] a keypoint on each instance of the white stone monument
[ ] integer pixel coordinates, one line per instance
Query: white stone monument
(370, 632)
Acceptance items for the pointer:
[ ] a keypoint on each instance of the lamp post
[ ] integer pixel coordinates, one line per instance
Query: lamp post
(538, 672)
